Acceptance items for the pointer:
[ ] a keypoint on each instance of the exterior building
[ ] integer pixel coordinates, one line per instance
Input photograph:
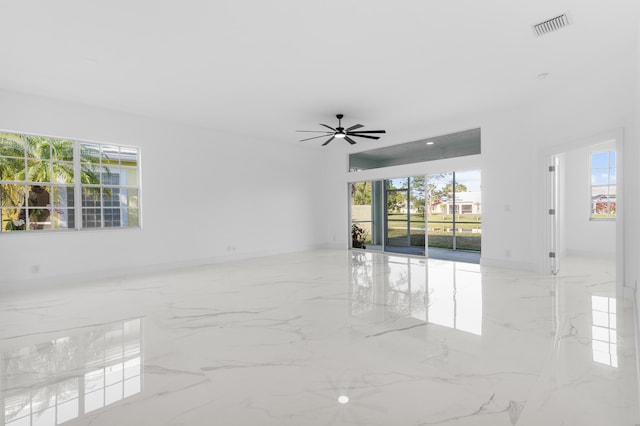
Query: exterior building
(464, 203)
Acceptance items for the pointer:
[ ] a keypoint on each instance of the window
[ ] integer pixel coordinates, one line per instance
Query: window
(110, 196)
(603, 185)
(56, 184)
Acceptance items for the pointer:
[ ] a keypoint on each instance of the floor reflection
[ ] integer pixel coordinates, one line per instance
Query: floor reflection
(277, 341)
(438, 292)
(455, 296)
(59, 379)
(604, 330)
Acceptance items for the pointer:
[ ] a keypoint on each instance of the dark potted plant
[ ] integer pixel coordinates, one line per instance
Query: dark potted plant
(358, 236)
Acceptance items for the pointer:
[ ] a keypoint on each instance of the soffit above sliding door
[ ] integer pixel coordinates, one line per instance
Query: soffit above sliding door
(437, 148)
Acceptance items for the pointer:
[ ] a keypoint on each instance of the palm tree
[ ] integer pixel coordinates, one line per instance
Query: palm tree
(12, 168)
(26, 159)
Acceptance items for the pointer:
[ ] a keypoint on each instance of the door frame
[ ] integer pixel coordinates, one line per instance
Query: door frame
(545, 155)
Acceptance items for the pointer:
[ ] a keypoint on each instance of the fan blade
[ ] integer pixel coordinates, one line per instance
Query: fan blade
(348, 139)
(314, 131)
(327, 142)
(364, 136)
(328, 127)
(357, 126)
(315, 137)
(371, 131)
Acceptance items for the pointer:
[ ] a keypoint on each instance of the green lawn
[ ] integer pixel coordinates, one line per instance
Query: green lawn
(440, 234)
(463, 242)
(603, 215)
(442, 240)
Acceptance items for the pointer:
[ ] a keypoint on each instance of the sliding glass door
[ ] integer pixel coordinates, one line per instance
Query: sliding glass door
(440, 214)
(400, 215)
(405, 215)
(366, 222)
(455, 210)
(417, 223)
(397, 213)
(468, 213)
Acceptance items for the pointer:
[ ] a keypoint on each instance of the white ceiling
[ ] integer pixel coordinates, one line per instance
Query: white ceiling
(266, 68)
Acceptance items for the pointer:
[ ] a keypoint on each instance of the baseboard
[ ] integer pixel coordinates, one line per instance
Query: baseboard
(508, 264)
(332, 246)
(68, 280)
(262, 253)
(592, 254)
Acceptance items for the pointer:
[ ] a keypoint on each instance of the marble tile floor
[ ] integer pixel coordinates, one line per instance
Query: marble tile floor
(324, 338)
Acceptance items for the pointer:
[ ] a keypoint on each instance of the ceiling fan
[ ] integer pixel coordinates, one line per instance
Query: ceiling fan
(342, 133)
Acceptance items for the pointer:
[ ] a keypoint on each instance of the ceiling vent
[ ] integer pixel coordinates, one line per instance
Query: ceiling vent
(551, 25)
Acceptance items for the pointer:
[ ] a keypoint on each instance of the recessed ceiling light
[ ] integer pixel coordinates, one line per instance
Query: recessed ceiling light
(430, 143)
(343, 399)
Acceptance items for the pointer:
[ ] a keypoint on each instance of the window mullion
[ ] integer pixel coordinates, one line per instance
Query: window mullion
(77, 179)
(100, 201)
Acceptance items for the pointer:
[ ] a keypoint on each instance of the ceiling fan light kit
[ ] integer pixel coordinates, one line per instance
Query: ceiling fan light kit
(342, 133)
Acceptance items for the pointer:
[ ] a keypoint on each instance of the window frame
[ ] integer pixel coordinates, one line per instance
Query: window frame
(608, 185)
(130, 217)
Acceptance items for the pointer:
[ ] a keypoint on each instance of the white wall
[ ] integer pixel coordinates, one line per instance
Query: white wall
(582, 236)
(297, 197)
(206, 197)
(632, 252)
(514, 145)
(515, 141)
